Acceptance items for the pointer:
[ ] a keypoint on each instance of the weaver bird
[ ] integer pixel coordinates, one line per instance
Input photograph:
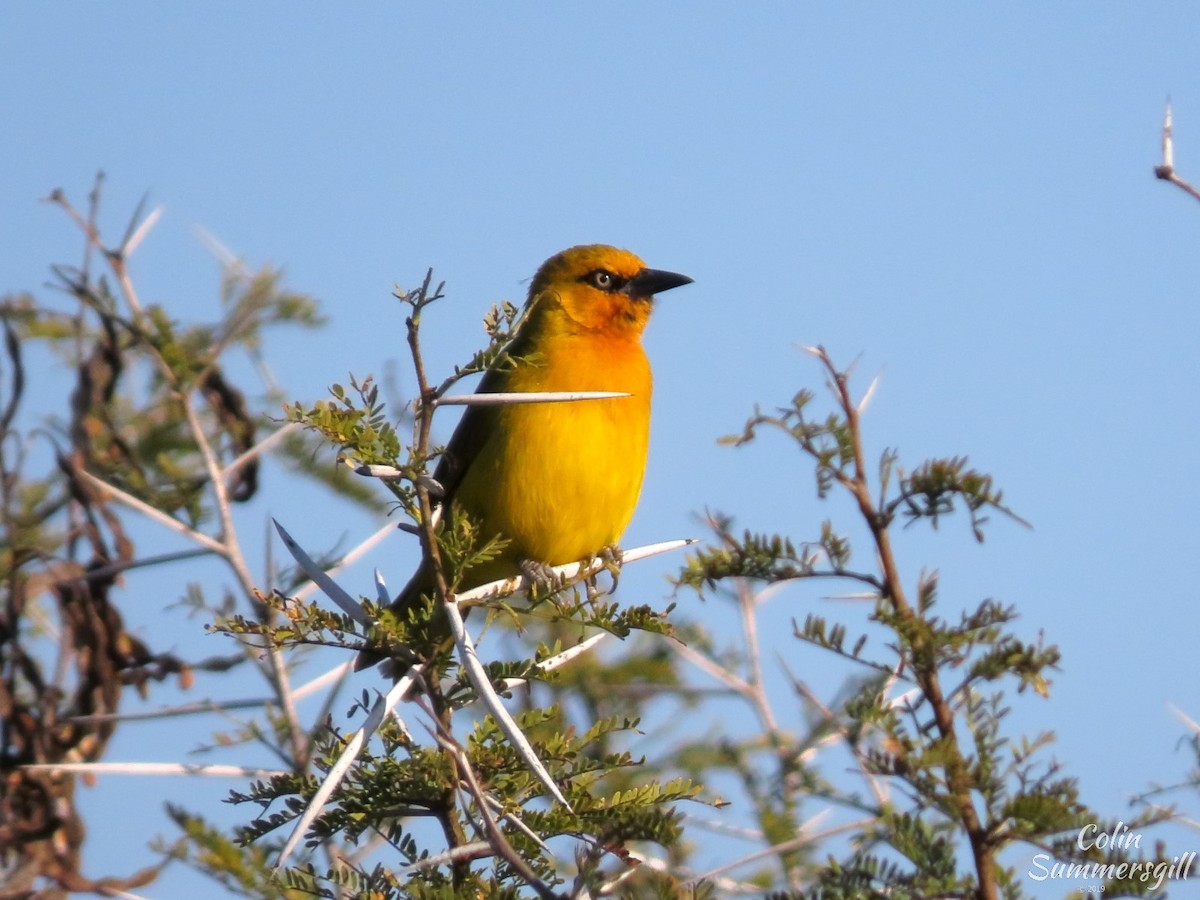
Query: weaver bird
(559, 481)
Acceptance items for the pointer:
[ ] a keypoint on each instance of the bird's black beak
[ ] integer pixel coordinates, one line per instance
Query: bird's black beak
(654, 281)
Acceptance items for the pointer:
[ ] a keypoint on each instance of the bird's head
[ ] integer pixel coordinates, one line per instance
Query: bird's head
(598, 288)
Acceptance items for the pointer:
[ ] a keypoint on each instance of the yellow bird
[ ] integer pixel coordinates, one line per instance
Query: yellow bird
(560, 481)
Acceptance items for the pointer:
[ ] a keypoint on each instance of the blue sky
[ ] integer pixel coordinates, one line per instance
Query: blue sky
(959, 197)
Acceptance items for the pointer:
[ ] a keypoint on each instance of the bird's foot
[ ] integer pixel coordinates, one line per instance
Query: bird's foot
(540, 578)
(612, 558)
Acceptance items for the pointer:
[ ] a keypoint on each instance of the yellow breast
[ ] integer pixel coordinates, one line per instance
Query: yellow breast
(561, 480)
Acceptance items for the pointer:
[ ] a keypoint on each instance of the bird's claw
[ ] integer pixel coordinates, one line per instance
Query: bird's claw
(541, 580)
(611, 555)
(613, 558)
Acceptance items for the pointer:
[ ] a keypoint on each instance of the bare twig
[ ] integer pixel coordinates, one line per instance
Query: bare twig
(716, 671)
(1165, 171)
(105, 572)
(806, 837)
(167, 521)
(758, 696)
(237, 562)
(149, 768)
(260, 448)
(227, 546)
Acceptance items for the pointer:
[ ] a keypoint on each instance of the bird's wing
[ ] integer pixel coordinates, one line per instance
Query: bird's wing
(469, 437)
(479, 422)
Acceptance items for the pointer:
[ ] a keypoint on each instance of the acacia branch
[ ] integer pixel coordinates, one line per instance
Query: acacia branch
(924, 660)
(423, 429)
(227, 545)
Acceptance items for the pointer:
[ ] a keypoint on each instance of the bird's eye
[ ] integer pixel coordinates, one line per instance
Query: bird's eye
(605, 281)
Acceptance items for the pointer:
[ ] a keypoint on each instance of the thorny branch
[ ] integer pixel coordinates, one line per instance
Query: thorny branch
(423, 427)
(71, 714)
(227, 545)
(925, 664)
